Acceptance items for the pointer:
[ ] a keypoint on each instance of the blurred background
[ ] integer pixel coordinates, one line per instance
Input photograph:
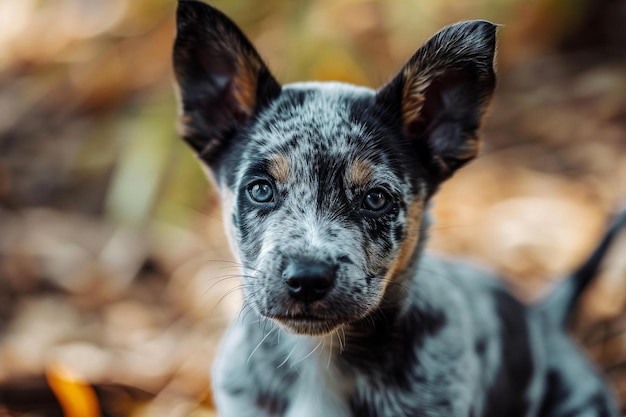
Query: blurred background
(115, 280)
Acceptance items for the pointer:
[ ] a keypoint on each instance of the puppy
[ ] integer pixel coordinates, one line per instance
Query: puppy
(325, 189)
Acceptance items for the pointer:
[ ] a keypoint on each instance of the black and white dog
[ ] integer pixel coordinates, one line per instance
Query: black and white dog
(325, 190)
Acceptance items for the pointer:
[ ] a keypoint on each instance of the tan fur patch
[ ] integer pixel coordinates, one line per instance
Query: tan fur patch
(413, 99)
(245, 83)
(279, 167)
(414, 218)
(413, 94)
(360, 173)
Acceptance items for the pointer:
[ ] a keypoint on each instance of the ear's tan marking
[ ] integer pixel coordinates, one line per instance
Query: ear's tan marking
(245, 83)
(414, 93)
(360, 173)
(414, 217)
(279, 167)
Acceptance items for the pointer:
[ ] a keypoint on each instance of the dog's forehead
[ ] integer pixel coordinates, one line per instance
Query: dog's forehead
(316, 124)
(315, 115)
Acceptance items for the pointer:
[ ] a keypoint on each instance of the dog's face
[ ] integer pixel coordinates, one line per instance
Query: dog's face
(324, 184)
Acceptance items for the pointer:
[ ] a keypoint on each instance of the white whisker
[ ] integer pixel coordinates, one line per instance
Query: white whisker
(260, 343)
(330, 351)
(310, 353)
(289, 355)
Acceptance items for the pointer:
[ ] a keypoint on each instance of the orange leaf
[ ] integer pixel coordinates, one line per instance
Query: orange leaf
(77, 398)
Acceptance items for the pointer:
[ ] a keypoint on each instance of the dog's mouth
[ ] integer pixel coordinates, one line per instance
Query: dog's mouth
(309, 324)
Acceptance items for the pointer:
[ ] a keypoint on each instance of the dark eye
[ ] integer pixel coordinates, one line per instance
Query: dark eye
(261, 192)
(376, 201)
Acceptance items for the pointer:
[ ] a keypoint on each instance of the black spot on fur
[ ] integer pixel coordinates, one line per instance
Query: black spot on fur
(507, 395)
(556, 394)
(273, 404)
(362, 409)
(399, 233)
(480, 347)
(561, 389)
(444, 404)
(395, 351)
(345, 259)
(393, 348)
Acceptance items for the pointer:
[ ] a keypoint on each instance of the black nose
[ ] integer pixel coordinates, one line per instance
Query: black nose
(308, 280)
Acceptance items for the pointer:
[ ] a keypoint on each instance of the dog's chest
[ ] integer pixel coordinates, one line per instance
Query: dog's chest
(320, 389)
(324, 386)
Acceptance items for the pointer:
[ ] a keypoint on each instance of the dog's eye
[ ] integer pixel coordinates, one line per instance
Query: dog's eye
(261, 191)
(376, 201)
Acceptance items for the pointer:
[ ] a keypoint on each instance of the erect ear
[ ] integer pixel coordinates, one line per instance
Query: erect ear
(221, 79)
(442, 92)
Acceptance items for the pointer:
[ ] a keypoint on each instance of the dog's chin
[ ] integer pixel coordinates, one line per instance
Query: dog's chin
(309, 326)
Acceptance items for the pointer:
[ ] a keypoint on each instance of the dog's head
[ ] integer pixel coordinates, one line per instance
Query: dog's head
(324, 184)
